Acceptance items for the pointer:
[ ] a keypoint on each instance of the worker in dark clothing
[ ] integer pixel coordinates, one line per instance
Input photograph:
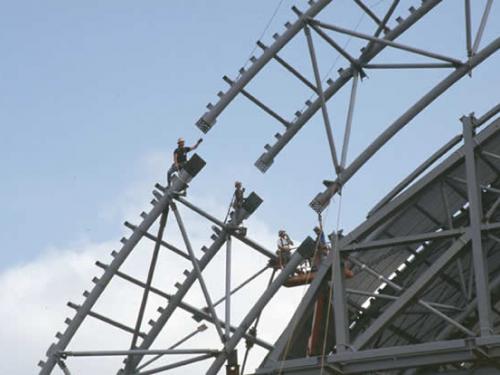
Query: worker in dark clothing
(236, 202)
(238, 197)
(180, 157)
(284, 248)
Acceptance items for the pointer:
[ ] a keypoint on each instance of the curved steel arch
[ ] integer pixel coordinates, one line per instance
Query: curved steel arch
(164, 202)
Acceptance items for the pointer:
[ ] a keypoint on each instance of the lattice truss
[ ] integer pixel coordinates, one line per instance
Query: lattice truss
(425, 293)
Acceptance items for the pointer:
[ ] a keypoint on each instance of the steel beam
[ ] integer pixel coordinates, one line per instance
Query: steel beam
(348, 125)
(306, 249)
(107, 320)
(197, 270)
(118, 353)
(467, 311)
(476, 216)
(409, 66)
(368, 11)
(209, 118)
(118, 260)
(324, 110)
(339, 305)
(176, 299)
(394, 298)
(336, 46)
(398, 241)
(487, 116)
(175, 365)
(145, 294)
(371, 227)
(259, 104)
(321, 200)
(202, 315)
(201, 212)
(417, 172)
(468, 32)
(383, 25)
(412, 292)
(244, 283)
(254, 245)
(386, 42)
(392, 358)
(201, 328)
(156, 239)
(266, 160)
(228, 288)
(291, 69)
(482, 25)
(296, 319)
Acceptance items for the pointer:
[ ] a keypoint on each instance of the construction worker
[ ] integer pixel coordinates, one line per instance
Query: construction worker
(236, 201)
(345, 258)
(284, 248)
(180, 157)
(238, 197)
(321, 248)
(321, 240)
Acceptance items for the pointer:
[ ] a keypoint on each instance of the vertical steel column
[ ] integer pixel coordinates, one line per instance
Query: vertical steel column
(321, 95)
(475, 213)
(468, 36)
(228, 287)
(305, 250)
(341, 317)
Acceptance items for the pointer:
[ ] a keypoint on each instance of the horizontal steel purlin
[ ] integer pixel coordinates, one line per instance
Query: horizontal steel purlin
(397, 357)
(107, 353)
(415, 238)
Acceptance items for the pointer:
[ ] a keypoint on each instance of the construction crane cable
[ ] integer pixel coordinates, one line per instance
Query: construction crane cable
(264, 31)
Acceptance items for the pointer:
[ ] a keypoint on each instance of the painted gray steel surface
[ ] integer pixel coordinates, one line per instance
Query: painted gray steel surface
(421, 315)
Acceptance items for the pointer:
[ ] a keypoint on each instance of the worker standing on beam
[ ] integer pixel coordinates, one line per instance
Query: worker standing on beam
(238, 197)
(284, 248)
(180, 157)
(237, 201)
(321, 248)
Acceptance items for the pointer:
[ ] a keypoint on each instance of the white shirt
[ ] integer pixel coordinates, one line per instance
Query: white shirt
(284, 243)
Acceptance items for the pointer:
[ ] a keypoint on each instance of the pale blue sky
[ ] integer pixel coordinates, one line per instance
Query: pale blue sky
(90, 90)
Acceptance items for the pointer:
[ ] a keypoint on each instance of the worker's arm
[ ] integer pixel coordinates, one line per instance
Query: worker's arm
(196, 145)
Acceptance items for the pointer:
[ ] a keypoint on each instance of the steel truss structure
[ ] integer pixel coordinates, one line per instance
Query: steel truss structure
(425, 296)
